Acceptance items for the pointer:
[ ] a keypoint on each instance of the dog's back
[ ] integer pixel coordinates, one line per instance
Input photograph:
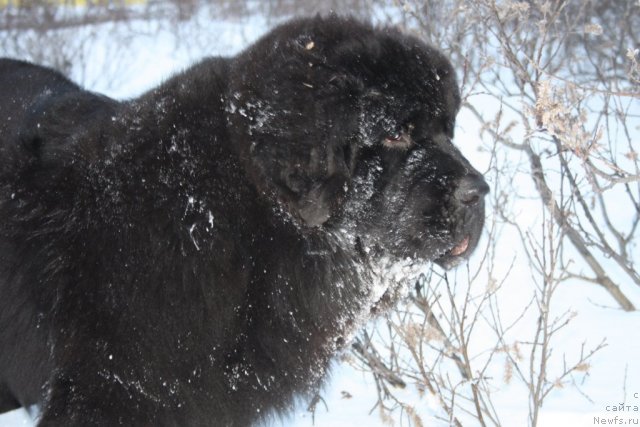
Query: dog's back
(22, 87)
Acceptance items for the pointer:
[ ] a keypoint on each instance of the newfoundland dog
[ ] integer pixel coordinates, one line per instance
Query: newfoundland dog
(196, 256)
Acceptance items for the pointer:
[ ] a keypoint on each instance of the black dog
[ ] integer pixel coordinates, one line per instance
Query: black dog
(195, 257)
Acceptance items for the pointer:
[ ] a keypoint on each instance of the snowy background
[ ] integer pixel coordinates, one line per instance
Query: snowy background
(150, 50)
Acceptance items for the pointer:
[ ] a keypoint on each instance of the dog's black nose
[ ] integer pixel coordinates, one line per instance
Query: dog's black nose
(471, 189)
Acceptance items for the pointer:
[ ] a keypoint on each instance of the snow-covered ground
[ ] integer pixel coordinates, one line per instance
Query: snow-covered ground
(151, 54)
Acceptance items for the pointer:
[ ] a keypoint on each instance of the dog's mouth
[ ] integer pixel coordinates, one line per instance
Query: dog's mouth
(460, 248)
(457, 253)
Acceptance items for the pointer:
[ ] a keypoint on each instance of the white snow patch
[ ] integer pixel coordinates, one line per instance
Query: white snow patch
(193, 239)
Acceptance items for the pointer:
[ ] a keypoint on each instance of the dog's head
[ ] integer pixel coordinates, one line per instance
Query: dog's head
(350, 129)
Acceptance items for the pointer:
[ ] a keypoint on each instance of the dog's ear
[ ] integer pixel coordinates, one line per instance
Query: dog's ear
(315, 190)
(322, 201)
(298, 139)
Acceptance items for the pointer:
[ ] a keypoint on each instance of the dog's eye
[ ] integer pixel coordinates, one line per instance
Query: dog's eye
(395, 136)
(400, 139)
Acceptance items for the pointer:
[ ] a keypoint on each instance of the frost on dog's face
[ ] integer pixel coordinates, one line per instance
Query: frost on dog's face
(356, 141)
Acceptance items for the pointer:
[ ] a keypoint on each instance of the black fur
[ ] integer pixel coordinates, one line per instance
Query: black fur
(195, 257)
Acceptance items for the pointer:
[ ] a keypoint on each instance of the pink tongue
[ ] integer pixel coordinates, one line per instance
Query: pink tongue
(458, 250)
